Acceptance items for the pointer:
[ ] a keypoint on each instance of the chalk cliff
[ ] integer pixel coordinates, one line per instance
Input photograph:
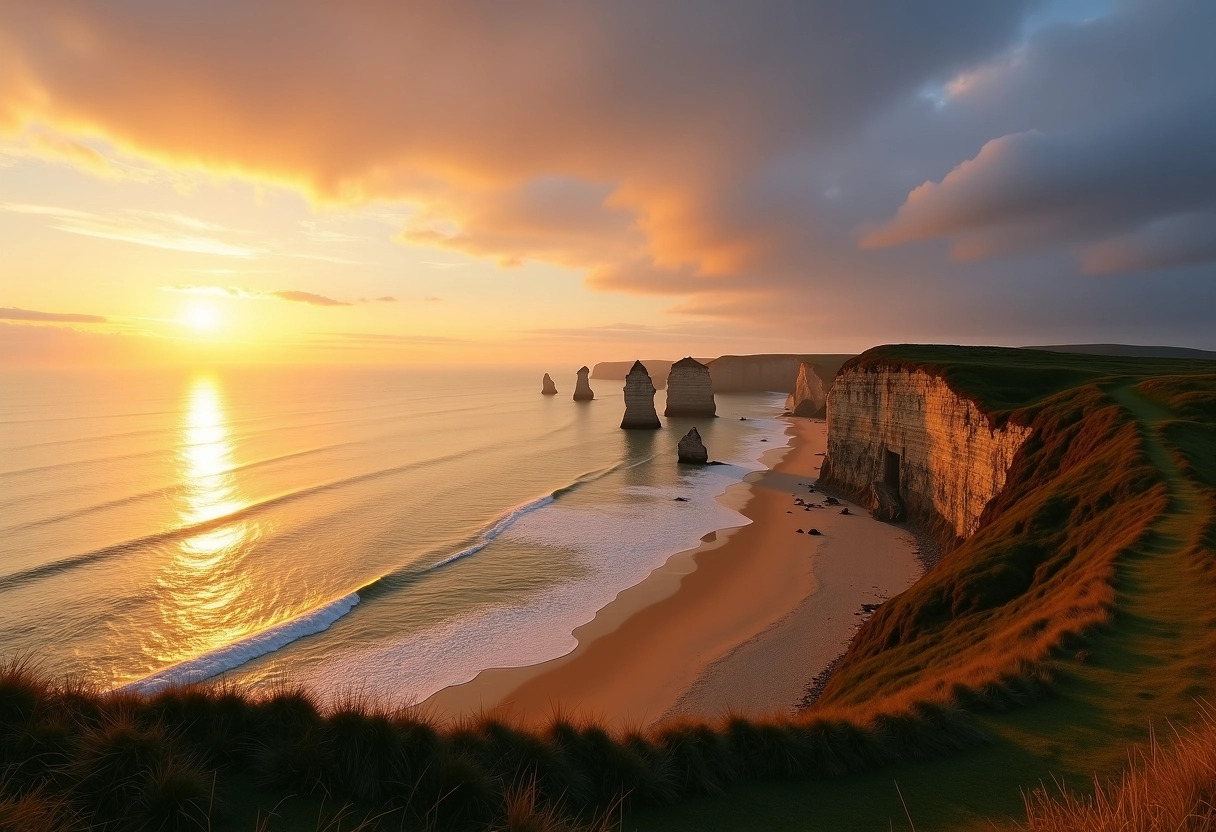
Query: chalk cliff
(809, 397)
(908, 430)
(582, 389)
(690, 392)
(691, 450)
(547, 387)
(639, 400)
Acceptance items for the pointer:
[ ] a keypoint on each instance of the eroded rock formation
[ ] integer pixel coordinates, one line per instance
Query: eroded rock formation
(776, 372)
(692, 450)
(639, 400)
(908, 430)
(809, 397)
(547, 387)
(690, 392)
(582, 388)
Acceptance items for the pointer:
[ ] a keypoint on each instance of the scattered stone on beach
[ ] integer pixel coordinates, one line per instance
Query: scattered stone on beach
(689, 390)
(789, 512)
(800, 531)
(814, 531)
(547, 387)
(869, 607)
(639, 400)
(820, 453)
(845, 511)
(831, 501)
(582, 388)
(742, 418)
(681, 499)
(763, 440)
(692, 450)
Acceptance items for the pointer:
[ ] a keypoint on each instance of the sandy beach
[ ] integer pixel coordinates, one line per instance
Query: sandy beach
(743, 622)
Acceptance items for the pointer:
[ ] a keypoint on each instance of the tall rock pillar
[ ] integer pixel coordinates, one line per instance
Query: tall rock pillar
(690, 392)
(547, 387)
(639, 400)
(582, 389)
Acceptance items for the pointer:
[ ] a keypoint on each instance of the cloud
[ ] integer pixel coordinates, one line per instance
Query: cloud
(723, 153)
(1126, 184)
(310, 298)
(292, 295)
(173, 231)
(10, 313)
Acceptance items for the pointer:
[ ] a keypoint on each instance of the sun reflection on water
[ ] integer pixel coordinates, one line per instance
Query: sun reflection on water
(204, 593)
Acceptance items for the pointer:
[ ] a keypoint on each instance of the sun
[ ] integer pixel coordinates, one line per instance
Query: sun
(202, 318)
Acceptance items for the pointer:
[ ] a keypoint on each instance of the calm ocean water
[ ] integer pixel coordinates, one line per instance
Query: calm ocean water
(387, 531)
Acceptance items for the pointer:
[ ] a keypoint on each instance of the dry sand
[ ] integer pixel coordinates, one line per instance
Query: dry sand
(743, 622)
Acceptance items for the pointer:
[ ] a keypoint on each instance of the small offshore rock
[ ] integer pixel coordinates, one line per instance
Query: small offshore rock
(547, 387)
(681, 499)
(692, 450)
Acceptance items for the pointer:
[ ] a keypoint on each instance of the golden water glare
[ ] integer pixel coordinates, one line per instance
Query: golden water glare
(204, 595)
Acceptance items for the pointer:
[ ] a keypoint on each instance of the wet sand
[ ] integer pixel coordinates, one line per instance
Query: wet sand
(744, 621)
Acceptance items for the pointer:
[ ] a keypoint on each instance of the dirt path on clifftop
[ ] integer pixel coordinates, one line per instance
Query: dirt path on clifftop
(1144, 670)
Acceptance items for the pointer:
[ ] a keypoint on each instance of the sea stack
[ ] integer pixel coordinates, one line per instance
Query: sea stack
(639, 400)
(692, 450)
(690, 392)
(547, 387)
(582, 389)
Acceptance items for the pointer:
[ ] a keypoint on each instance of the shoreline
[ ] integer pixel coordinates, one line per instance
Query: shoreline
(744, 621)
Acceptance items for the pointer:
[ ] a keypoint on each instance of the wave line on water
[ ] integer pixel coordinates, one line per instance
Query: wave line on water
(188, 530)
(231, 656)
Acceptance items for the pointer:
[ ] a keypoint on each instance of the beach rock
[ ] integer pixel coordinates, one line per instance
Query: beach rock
(689, 390)
(681, 499)
(547, 387)
(885, 503)
(582, 388)
(831, 501)
(639, 401)
(800, 531)
(692, 450)
(845, 511)
(814, 531)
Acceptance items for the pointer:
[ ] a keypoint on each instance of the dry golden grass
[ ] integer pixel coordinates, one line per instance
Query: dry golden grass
(1166, 788)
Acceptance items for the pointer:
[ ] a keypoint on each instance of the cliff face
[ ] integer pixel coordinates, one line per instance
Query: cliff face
(910, 430)
(639, 400)
(689, 390)
(809, 397)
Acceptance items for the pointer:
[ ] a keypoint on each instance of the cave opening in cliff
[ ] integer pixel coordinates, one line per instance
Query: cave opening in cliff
(890, 469)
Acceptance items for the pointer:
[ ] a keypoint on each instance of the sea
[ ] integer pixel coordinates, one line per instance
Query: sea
(367, 531)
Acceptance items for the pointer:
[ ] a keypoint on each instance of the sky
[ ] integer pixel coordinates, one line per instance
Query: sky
(484, 182)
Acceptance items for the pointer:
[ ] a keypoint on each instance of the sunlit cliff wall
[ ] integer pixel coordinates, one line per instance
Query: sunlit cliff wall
(810, 396)
(952, 460)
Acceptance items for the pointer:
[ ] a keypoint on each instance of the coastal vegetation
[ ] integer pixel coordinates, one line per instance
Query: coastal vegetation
(1087, 592)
